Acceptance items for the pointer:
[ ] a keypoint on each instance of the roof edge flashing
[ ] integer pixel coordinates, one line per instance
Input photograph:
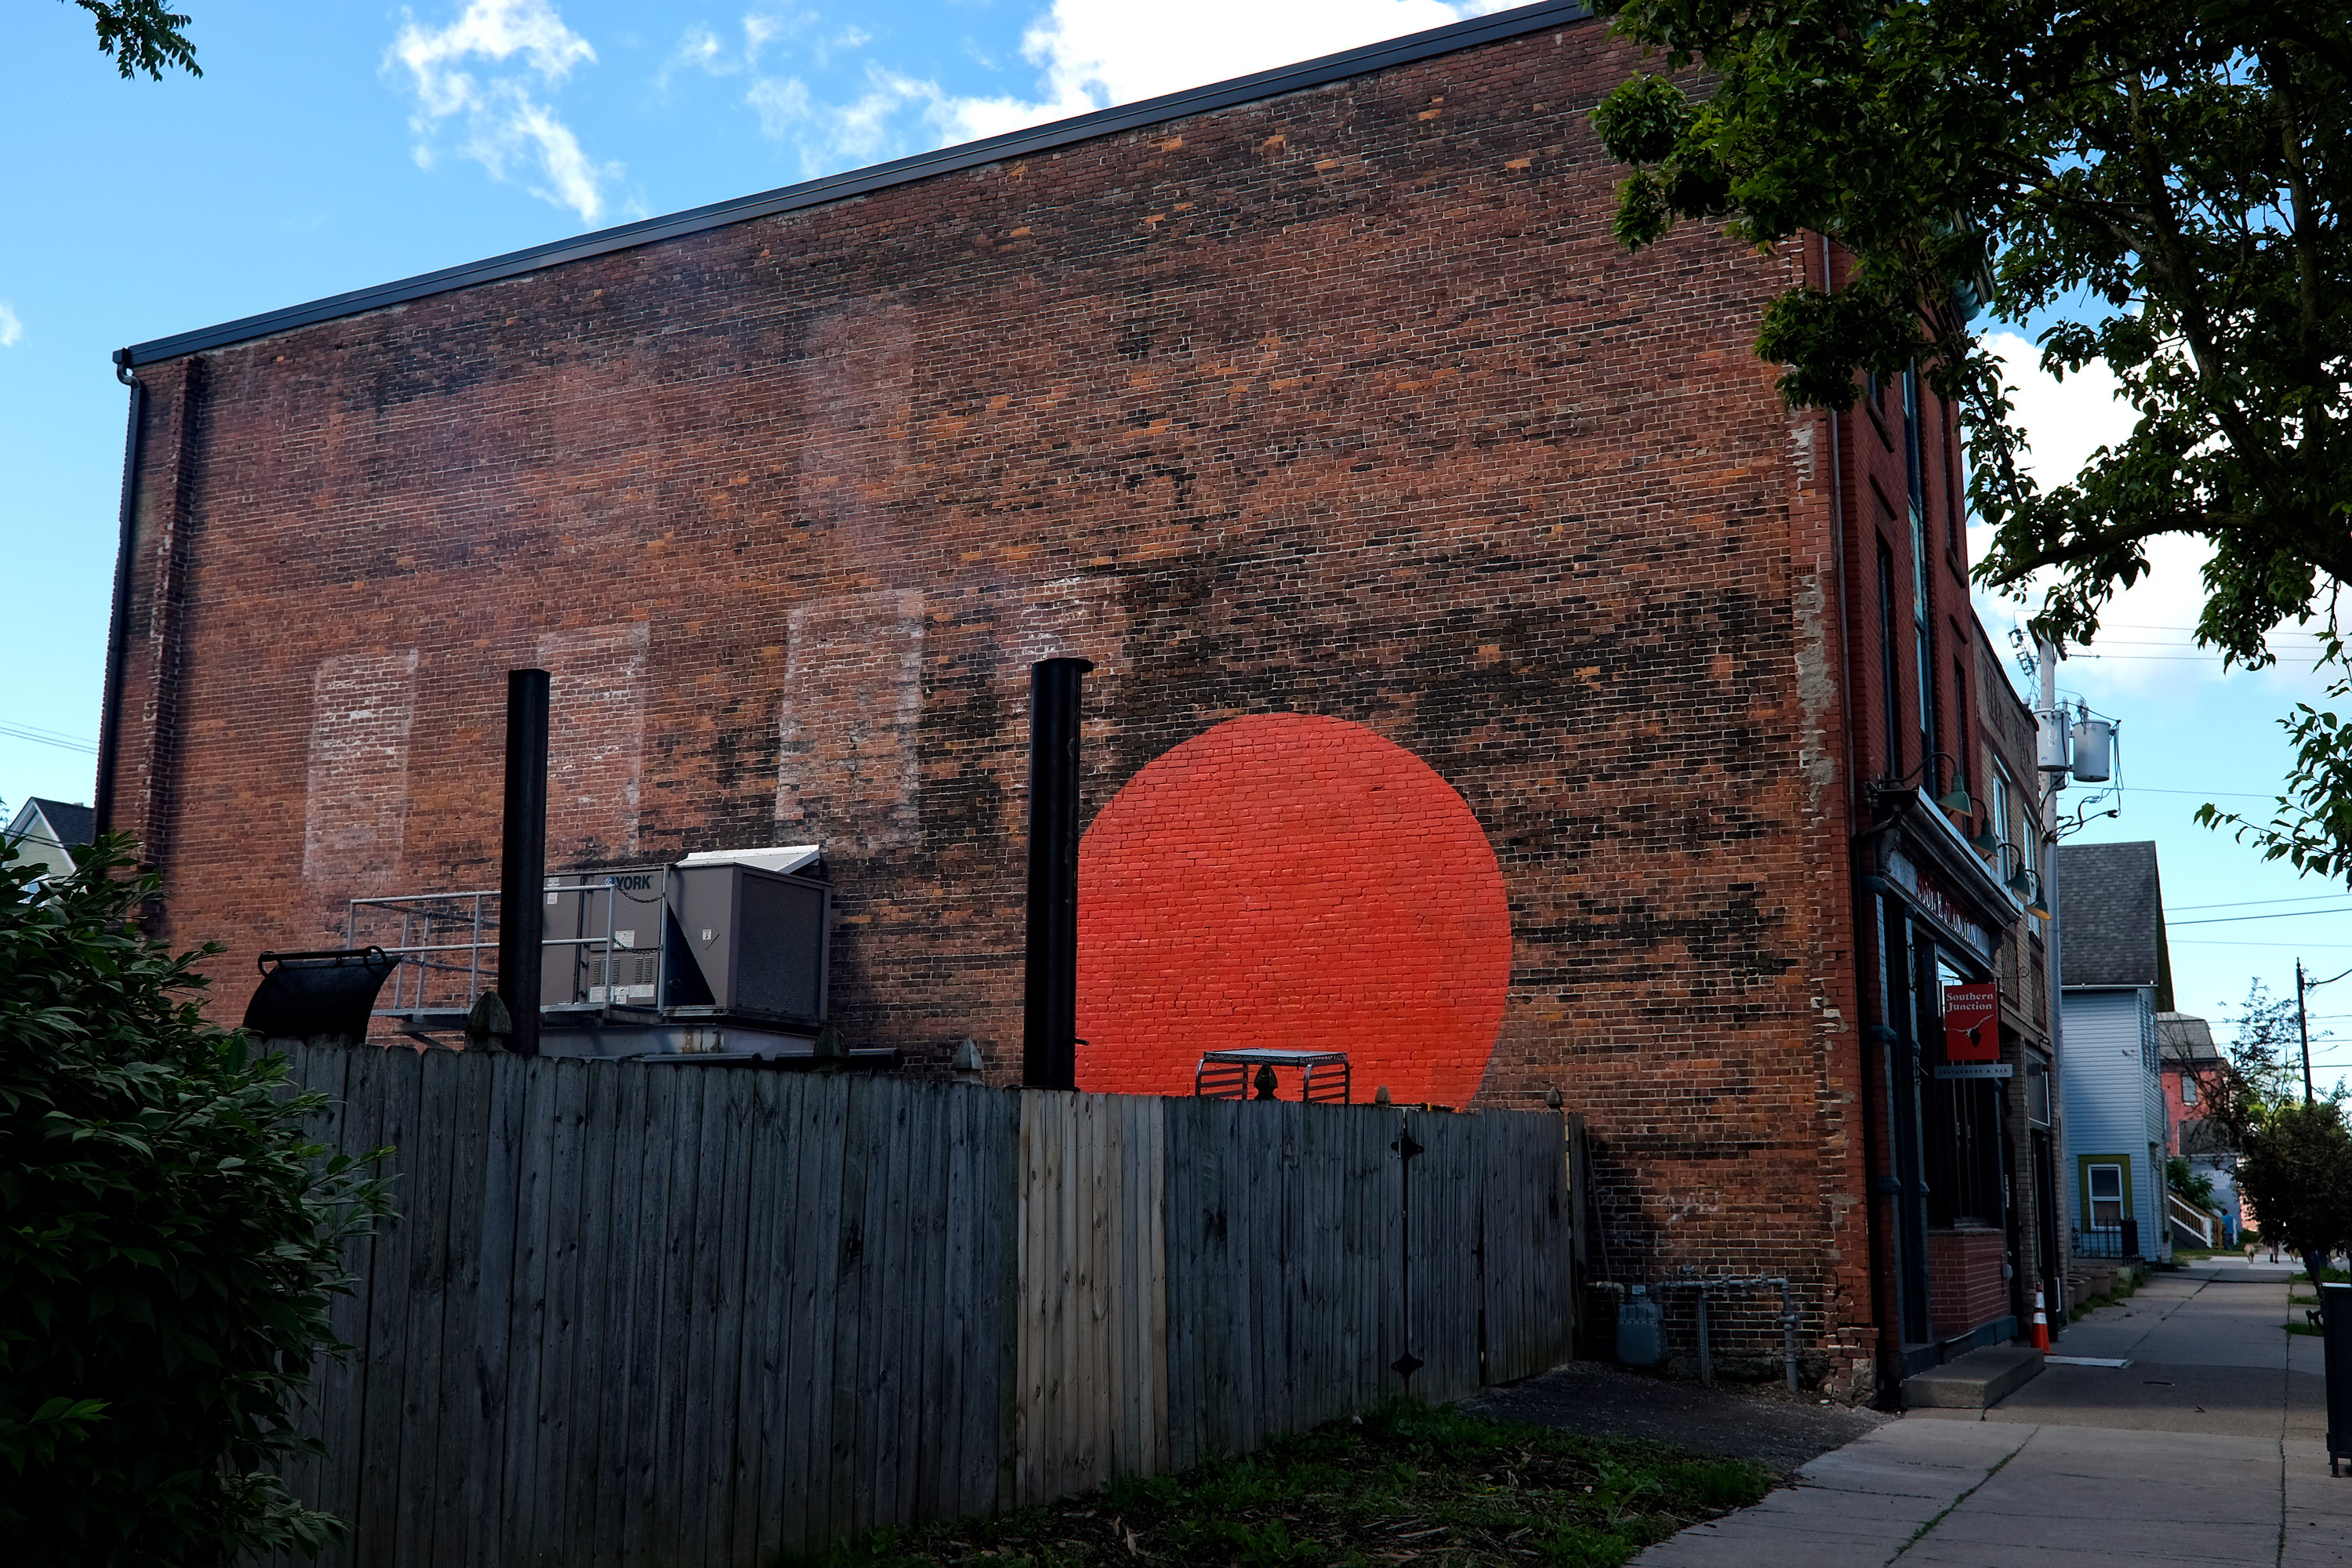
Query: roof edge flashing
(1275, 82)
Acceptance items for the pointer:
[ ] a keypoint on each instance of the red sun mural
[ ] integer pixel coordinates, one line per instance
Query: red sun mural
(1291, 881)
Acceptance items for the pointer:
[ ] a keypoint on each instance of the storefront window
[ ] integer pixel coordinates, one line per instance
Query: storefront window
(1963, 1131)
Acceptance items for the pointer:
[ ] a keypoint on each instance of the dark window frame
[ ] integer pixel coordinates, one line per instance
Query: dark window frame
(1889, 664)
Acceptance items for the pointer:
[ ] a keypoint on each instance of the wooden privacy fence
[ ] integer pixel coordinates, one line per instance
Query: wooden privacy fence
(641, 1314)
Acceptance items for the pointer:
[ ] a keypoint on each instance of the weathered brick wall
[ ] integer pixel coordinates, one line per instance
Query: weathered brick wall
(1342, 404)
(1964, 1279)
(1876, 496)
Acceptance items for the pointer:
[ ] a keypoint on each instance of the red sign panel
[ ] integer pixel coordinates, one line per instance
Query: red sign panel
(1972, 1023)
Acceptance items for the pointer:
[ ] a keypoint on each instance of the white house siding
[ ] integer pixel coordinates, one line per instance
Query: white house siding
(2115, 1098)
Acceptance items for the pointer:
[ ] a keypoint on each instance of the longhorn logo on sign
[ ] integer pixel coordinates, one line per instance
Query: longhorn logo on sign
(1972, 1023)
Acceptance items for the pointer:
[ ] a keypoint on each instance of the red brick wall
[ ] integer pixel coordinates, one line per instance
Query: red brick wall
(1876, 497)
(1343, 403)
(1965, 1288)
(1298, 882)
(2177, 1111)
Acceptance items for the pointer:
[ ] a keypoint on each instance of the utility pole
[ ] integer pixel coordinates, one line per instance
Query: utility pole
(2045, 659)
(2054, 955)
(2302, 1027)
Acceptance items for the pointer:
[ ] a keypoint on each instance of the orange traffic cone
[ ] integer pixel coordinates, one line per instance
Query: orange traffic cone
(2040, 1326)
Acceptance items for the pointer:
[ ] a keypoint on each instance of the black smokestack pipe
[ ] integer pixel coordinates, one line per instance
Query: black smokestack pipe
(522, 859)
(1049, 1053)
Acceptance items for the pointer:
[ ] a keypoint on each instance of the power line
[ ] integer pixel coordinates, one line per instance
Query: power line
(2190, 631)
(2171, 642)
(2201, 793)
(2251, 903)
(2282, 915)
(47, 737)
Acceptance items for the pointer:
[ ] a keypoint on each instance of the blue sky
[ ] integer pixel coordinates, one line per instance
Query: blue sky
(329, 146)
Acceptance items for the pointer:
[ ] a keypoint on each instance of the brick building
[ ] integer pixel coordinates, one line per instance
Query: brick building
(1493, 679)
(2014, 815)
(2190, 1065)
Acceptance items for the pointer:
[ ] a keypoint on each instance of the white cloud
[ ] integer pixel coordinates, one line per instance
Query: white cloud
(2143, 643)
(12, 329)
(863, 131)
(2065, 420)
(761, 29)
(501, 119)
(1089, 54)
(1094, 53)
(701, 47)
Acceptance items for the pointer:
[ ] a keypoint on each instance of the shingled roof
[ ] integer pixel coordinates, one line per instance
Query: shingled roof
(72, 824)
(2186, 1042)
(2111, 918)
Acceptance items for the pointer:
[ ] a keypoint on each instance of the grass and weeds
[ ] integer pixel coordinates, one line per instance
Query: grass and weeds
(2312, 1328)
(2123, 1291)
(1403, 1484)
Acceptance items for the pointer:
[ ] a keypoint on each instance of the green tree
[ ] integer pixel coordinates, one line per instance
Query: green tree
(2190, 1182)
(2175, 178)
(2259, 1049)
(170, 1241)
(2294, 1157)
(141, 35)
(2296, 1171)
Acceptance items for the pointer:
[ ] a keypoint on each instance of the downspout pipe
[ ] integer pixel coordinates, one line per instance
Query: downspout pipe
(118, 633)
(1049, 1055)
(522, 858)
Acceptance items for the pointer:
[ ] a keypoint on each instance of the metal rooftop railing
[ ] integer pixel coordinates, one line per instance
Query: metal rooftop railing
(431, 987)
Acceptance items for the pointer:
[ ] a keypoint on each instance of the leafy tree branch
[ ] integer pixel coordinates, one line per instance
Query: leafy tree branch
(141, 35)
(2176, 177)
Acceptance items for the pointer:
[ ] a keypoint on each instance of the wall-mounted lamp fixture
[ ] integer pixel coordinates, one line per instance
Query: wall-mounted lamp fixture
(1954, 800)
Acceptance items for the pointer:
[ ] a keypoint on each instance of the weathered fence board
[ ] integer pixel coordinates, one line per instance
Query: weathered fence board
(1441, 1282)
(690, 1315)
(1525, 1256)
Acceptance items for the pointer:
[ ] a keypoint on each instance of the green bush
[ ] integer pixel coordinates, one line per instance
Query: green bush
(170, 1242)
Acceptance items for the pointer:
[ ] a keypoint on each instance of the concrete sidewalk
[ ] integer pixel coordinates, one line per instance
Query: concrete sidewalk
(2207, 1448)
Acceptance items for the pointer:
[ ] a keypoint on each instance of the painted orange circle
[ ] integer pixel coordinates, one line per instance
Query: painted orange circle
(1293, 881)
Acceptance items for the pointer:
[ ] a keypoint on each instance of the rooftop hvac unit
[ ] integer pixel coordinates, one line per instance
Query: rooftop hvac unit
(2094, 748)
(731, 933)
(578, 966)
(747, 941)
